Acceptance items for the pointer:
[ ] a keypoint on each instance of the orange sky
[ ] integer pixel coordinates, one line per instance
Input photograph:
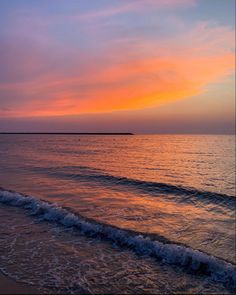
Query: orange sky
(121, 56)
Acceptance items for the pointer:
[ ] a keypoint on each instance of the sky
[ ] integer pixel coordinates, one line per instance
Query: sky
(142, 66)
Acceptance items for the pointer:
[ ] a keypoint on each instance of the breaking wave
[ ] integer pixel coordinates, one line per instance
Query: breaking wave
(152, 245)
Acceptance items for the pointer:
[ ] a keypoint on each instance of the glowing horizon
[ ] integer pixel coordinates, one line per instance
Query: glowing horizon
(114, 56)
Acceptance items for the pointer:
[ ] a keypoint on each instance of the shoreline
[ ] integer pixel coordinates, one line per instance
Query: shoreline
(10, 286)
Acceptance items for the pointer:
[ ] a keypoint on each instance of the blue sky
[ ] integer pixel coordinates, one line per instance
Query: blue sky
(144, 60)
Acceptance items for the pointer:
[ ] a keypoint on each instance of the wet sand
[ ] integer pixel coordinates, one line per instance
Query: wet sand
(9, 286)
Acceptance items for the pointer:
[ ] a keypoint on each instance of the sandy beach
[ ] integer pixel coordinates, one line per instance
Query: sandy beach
(9, 286)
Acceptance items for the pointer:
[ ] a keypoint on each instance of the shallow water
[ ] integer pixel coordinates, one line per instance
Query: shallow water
(172, 189)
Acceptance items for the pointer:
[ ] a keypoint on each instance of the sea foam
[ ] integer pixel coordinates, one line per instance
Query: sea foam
(190, 259)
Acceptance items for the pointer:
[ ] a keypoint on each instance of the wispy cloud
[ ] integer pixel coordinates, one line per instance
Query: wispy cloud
(46, 71)
(114, 79)
(129, 6)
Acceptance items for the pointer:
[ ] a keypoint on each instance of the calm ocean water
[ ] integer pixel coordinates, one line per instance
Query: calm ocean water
(119, 214)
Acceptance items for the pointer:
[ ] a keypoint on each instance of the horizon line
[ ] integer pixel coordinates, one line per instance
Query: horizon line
(70, 133)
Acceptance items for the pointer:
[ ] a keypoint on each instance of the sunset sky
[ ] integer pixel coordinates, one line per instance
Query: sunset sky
(144, 66)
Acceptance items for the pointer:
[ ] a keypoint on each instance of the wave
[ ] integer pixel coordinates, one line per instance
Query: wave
(94, 174)
(158, 247)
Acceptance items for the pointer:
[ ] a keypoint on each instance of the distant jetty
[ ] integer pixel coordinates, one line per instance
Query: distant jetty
(67, 133)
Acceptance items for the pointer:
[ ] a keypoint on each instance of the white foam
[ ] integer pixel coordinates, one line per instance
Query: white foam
(218, 269)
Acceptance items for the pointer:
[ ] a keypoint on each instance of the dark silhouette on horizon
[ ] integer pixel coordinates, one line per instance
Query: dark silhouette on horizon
(69, 133)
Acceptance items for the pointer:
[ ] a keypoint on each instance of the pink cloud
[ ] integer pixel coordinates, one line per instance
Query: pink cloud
(130, 6)
(116, 80)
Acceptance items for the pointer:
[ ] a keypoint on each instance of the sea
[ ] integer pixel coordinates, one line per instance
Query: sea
(119, 214)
